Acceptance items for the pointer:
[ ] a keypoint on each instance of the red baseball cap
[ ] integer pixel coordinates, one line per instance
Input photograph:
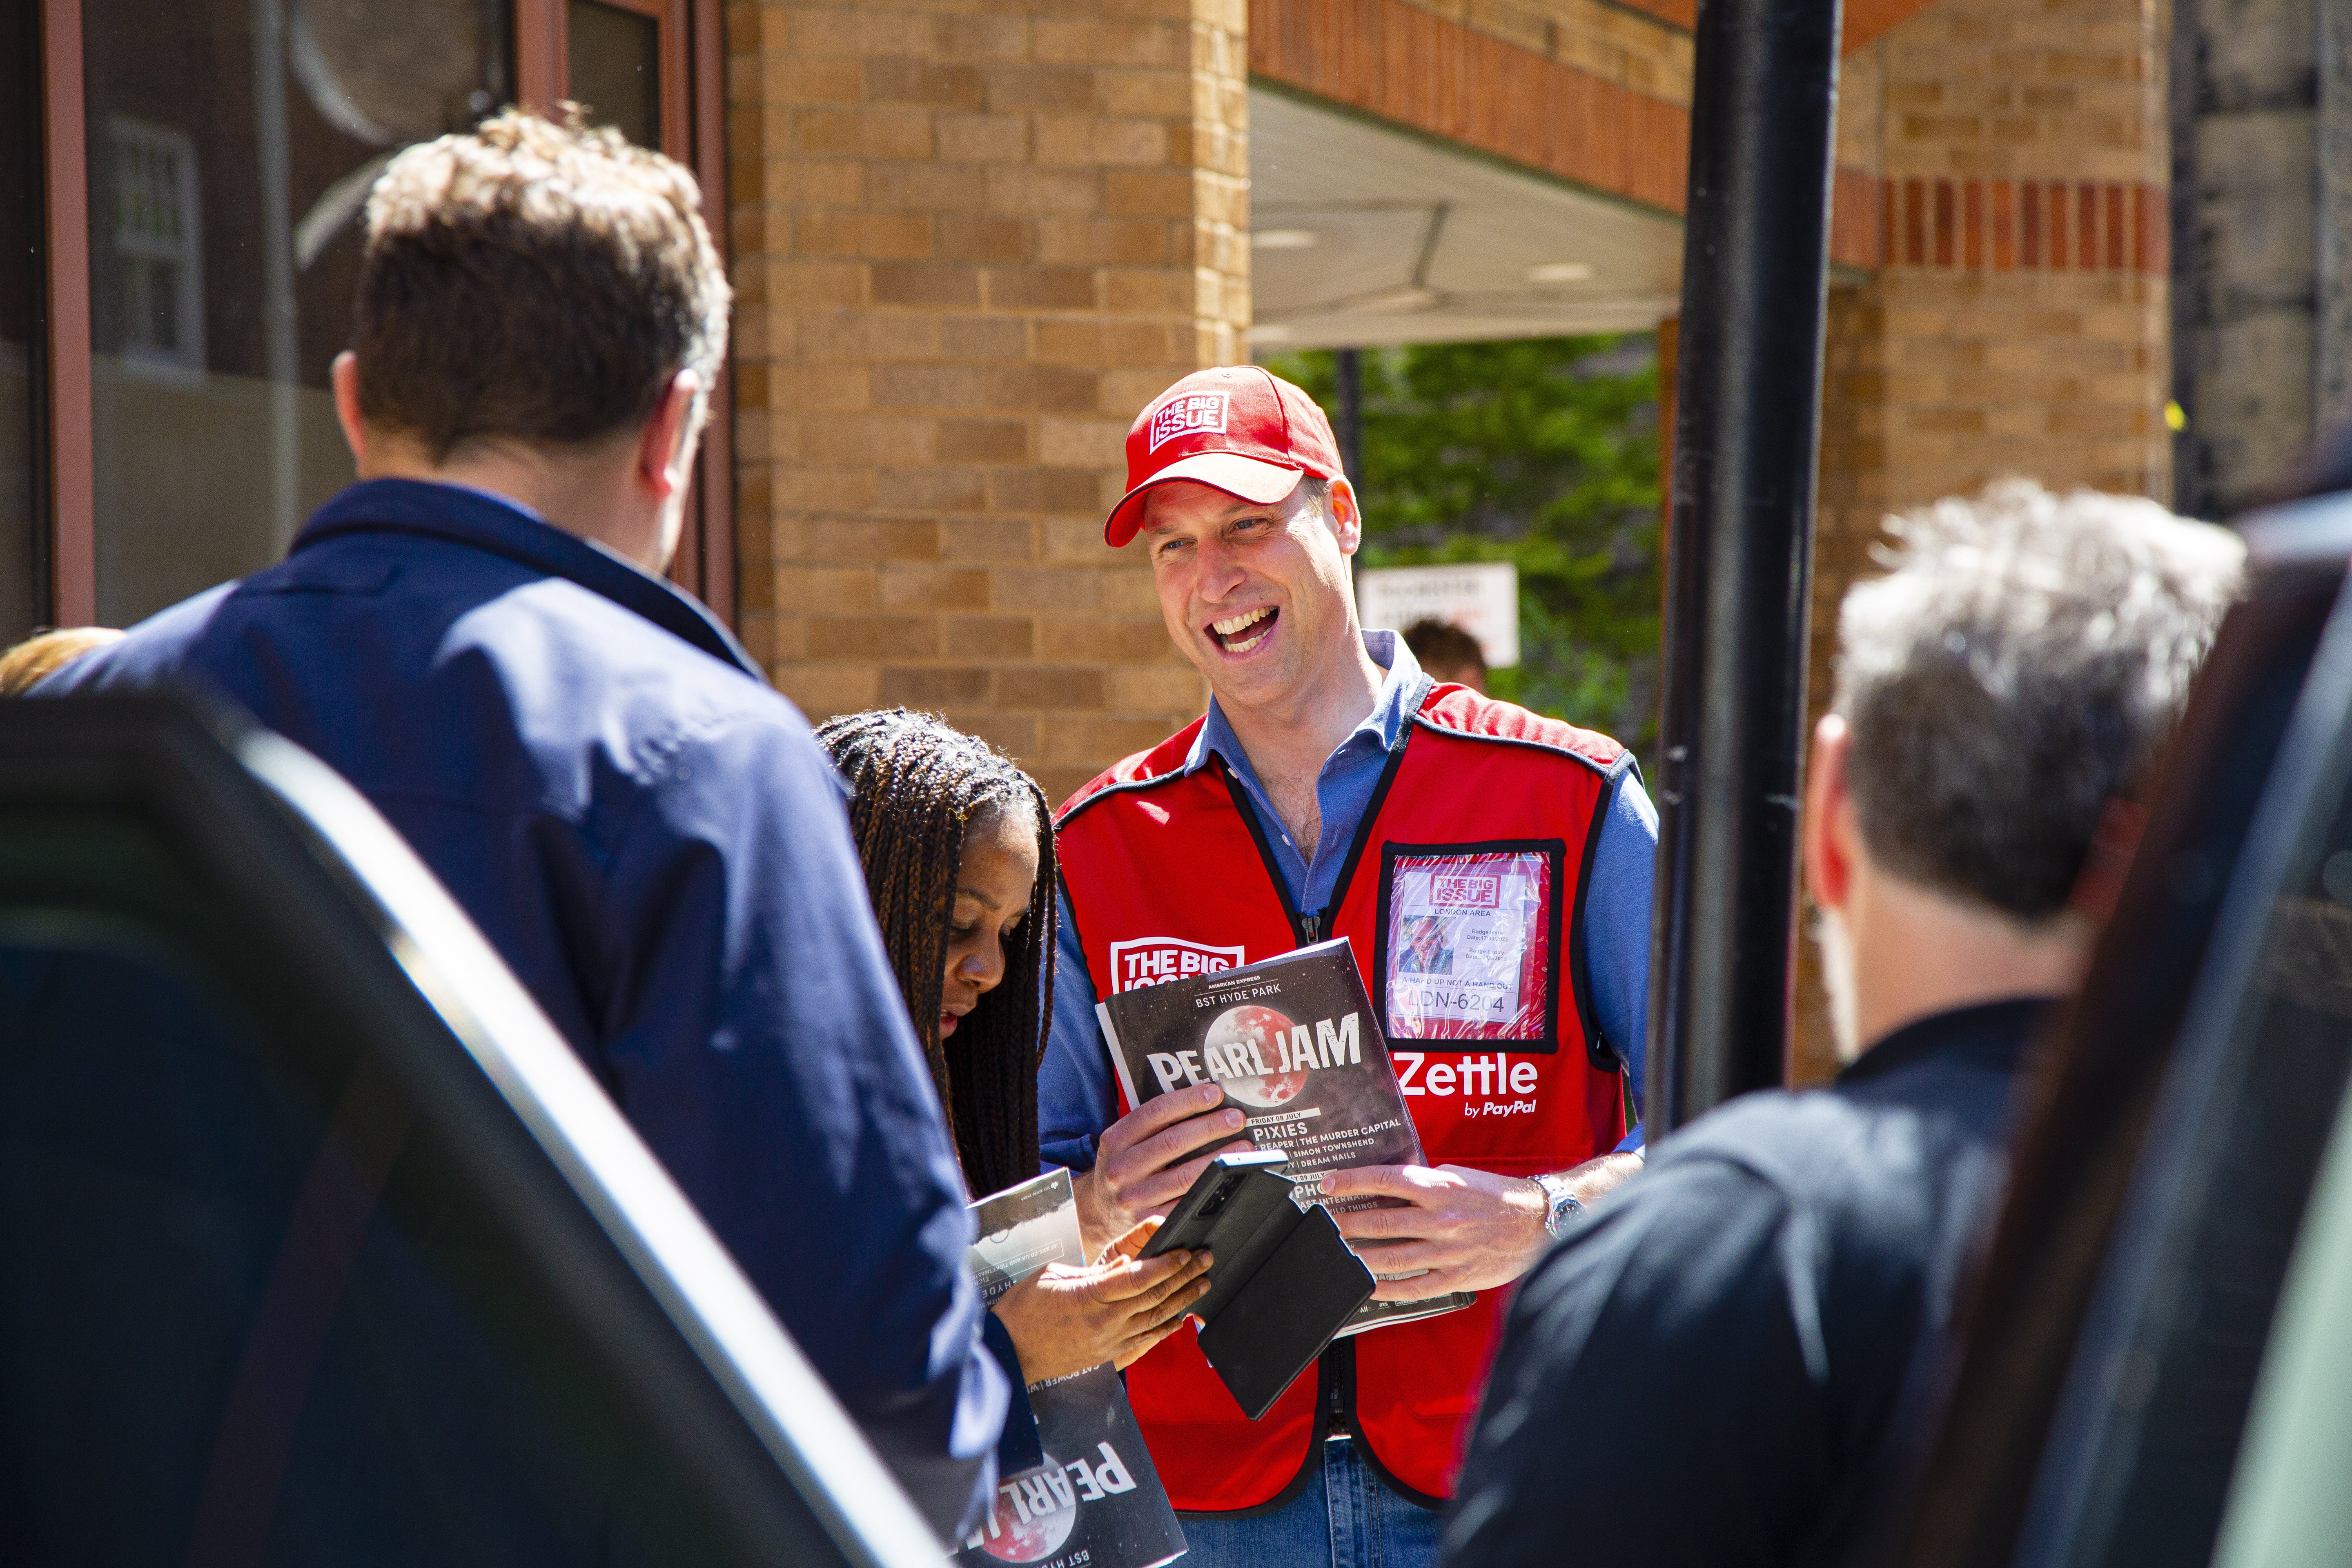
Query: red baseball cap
(1236, 428)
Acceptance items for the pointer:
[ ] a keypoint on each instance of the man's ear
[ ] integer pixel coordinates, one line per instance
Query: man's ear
(665, 458)
(1831, 834)
(344, 376)
(1346, 517)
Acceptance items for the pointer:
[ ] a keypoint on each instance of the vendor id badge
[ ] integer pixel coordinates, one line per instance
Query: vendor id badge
(1470, 941)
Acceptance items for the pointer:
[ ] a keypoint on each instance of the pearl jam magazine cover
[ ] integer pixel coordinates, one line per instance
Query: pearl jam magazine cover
(1296, 1045)
(1096, 1502)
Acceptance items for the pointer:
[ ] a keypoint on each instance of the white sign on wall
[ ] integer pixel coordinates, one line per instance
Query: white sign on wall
(1481, 598)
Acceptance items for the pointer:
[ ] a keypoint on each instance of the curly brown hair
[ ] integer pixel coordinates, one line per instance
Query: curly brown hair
(917, 785)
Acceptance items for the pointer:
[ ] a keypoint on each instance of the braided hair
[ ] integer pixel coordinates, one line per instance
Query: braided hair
(915, 784)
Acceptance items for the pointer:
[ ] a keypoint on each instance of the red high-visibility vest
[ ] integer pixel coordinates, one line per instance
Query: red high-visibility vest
(1472, 860)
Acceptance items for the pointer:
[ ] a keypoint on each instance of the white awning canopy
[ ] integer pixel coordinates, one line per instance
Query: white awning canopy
(1363, 235)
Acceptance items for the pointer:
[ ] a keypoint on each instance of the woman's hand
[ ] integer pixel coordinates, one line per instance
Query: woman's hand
(1066, 1319)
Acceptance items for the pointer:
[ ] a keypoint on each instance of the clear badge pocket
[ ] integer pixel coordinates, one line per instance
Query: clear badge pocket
(1470, 942)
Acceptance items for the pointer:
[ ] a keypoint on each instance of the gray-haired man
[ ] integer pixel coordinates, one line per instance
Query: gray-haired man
(1741, 1317)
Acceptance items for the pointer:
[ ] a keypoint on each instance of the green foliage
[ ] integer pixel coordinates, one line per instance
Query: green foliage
(1542, 452)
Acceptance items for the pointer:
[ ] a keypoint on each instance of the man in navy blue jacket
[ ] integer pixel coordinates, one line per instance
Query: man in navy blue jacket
(475, 636)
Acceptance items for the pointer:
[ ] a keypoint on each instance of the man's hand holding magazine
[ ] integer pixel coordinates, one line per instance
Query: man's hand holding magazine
(1460, 1229)
(1150, 1158)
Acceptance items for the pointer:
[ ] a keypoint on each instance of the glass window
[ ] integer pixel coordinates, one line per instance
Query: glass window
(231, 145)
(616, 67)
(22, 563)
(157, 255)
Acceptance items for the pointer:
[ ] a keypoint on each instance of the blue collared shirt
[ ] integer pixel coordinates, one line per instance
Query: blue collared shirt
(651, 837)
(1075, 1096)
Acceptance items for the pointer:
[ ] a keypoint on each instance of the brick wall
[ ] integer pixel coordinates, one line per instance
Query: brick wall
(1632, 50)
(1425, 69)
(971, 243)
(2017, 324)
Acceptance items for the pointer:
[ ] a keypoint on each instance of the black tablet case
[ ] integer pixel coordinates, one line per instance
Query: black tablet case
(1284, 1281)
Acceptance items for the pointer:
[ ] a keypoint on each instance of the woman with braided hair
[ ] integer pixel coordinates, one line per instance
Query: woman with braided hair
(958, 847)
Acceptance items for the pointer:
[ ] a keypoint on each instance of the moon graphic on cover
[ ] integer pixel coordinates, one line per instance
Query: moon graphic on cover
(1040, 1535)
(1238, 1029)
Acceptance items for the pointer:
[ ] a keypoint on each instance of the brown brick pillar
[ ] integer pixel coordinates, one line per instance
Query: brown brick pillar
(2017, 324)
(970, 245)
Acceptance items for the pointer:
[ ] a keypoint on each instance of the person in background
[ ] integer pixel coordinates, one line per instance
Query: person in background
(1744, 1318)
(1446, 653)
(39, 657)
(958, 847)
(476, 635)
(1327, 793)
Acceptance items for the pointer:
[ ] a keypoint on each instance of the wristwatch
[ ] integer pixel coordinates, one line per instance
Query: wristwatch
(1558, 1204)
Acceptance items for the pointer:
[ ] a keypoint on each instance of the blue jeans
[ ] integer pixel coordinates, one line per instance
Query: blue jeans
(1343, 1516)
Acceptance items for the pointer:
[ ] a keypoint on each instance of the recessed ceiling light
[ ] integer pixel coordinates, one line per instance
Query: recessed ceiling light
(1271, 332)
(1560, 272)
(1283, 239)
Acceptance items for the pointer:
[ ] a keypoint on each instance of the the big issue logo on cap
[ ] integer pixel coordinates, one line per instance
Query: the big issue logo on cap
(1238, 428)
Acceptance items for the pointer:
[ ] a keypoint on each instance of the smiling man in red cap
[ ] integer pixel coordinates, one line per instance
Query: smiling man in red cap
(1332, 790)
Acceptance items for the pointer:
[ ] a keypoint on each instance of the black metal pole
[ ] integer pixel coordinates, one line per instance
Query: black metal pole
(1740, 572)
(1349, 366)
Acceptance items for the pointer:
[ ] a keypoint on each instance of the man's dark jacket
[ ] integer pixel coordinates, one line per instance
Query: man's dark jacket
(1706, 1370)
(650, 837)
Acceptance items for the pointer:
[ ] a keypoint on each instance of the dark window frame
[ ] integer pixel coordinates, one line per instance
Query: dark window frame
(693, 101)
